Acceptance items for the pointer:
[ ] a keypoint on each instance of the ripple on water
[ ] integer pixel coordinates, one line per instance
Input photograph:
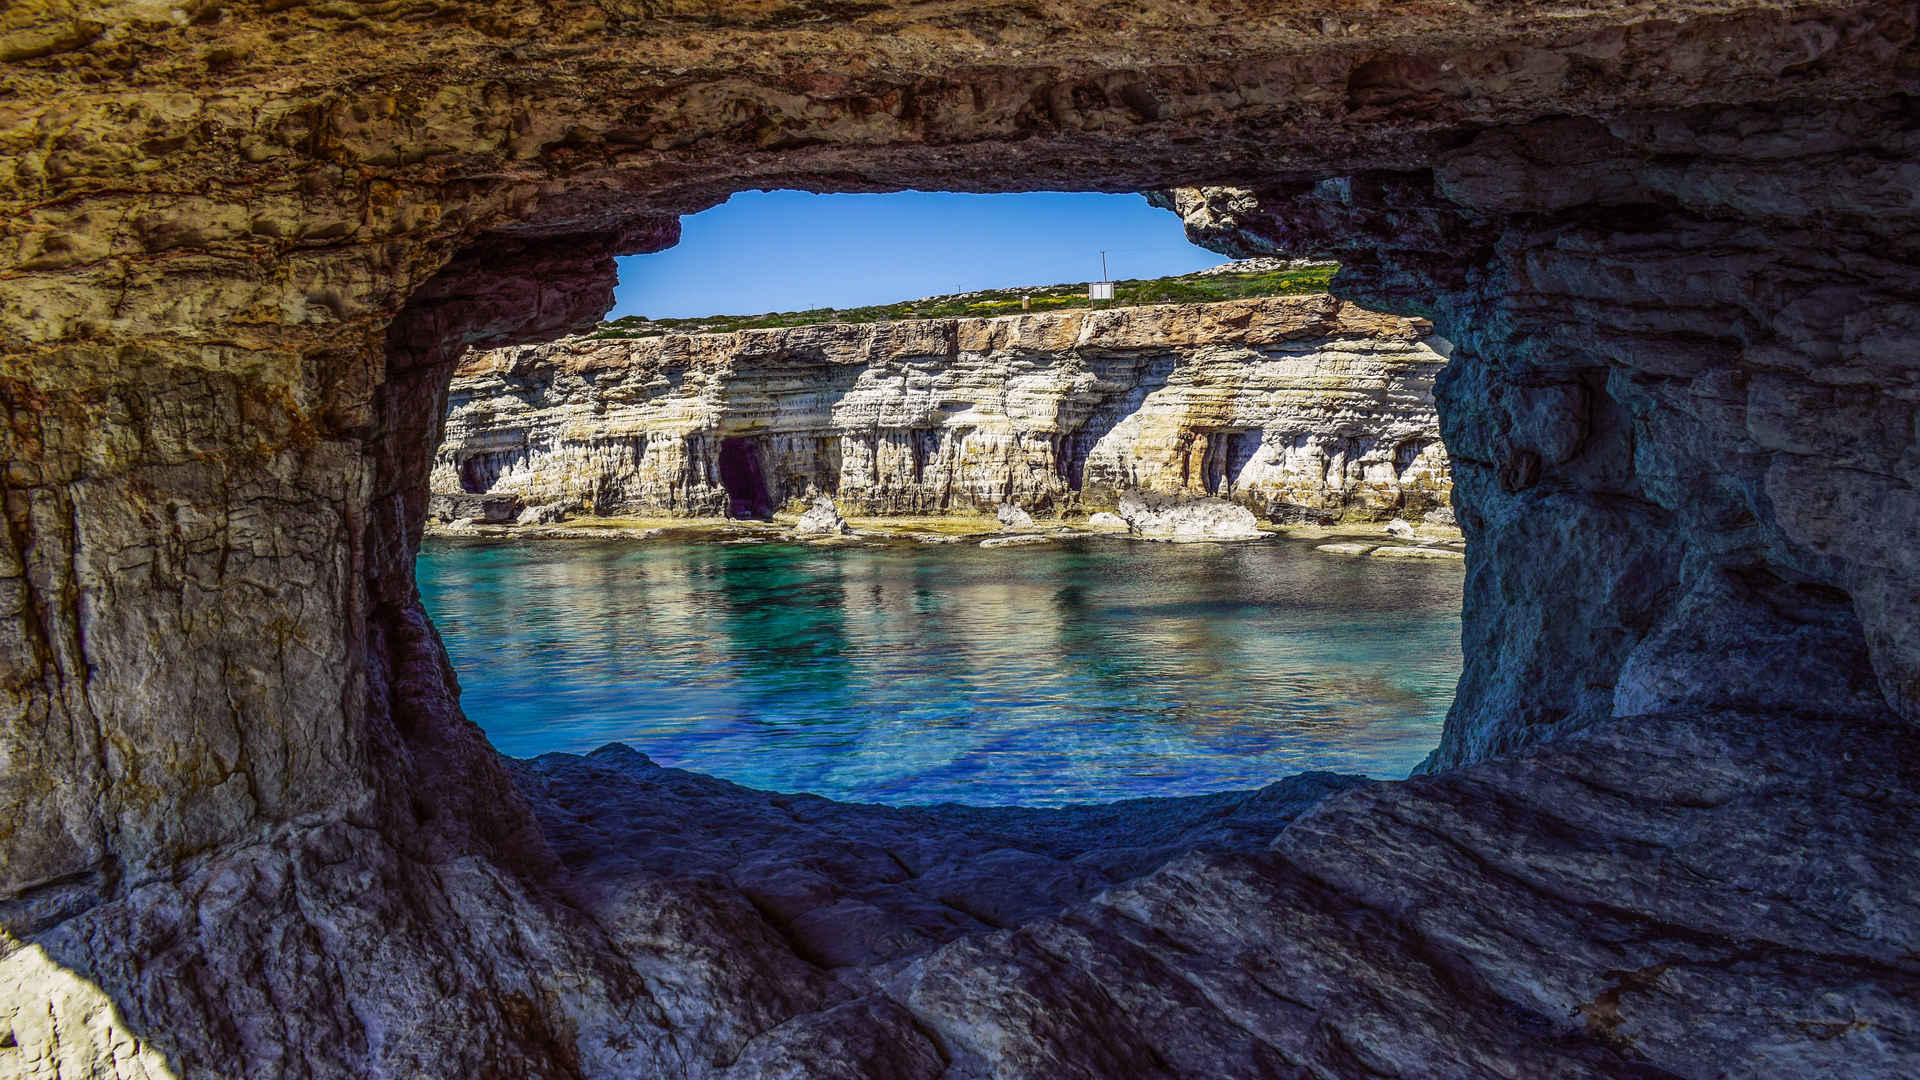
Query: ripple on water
(1088, 671)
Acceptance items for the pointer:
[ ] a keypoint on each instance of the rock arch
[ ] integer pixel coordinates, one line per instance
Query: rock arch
(245, 243)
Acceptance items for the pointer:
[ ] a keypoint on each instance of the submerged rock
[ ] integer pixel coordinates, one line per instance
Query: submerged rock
(1159, 517)
(1012, 517)
(822, 518)
(1417, 553)
(1346, 548)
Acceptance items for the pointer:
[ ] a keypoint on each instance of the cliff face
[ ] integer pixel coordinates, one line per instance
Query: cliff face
(248, 832)
(1288, 405)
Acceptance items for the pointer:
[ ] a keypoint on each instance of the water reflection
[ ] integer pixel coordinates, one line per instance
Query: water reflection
(1100, 670)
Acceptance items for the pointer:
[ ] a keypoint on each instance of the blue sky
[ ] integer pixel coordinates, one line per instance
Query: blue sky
(791, 250)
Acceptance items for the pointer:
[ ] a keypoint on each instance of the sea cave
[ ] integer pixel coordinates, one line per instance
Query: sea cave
(1667, 254)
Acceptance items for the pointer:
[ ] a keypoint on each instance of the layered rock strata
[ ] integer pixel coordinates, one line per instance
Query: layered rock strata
(1293, 406)
(248, 831)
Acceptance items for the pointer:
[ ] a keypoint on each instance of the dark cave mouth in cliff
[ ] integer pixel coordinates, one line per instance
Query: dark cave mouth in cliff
(744, 477)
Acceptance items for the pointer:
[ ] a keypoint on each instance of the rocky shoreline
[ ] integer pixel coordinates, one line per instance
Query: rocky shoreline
(1430, 541)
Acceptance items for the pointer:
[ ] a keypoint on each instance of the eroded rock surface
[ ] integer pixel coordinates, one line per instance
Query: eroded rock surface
(1689, 897)
(1297, 405)
(1695, 896)
(852, 886)
(248, 831)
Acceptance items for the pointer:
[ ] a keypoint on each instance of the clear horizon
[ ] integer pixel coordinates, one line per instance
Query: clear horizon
(764, 251)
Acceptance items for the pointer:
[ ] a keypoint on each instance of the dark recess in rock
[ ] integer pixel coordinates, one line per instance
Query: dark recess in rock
(745, 479)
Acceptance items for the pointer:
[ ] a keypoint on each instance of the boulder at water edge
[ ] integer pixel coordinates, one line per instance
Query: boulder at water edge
(1160, 517)
(822, 518)
(1012, 517)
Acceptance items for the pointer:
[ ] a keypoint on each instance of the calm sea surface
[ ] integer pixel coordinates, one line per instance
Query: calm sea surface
(1096, 670)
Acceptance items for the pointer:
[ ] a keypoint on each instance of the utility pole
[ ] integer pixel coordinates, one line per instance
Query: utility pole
(1102, 289)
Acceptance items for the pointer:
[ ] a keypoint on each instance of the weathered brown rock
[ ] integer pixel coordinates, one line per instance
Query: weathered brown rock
(245, 830)
(1303, 405)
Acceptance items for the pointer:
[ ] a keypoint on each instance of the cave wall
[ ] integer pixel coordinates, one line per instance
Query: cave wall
(1665, 490)
(248, 831)
(1296, 407)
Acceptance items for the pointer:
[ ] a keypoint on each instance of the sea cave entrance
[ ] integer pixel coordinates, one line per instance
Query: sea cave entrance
(981, 632)
(744, 476)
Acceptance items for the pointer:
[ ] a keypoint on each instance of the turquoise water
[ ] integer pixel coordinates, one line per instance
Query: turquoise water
(1095, 670)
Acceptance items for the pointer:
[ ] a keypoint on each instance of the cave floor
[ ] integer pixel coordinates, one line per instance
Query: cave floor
(1687, 895)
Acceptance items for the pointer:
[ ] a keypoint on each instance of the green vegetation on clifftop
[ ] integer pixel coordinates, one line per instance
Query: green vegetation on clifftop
(1190, 289)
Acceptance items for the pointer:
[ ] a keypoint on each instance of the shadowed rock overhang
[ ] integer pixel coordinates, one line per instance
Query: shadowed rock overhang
(1668, 828)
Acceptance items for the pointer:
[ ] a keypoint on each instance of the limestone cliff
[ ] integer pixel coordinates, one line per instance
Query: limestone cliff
(1289, 405)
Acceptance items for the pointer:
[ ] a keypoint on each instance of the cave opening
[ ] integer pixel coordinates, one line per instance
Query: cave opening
(744, 477)
(1015, 414)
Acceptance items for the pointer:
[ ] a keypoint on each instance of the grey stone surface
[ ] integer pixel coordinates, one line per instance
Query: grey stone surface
(543, 514)
(856, 885)
(1698, 895)
(481, 509)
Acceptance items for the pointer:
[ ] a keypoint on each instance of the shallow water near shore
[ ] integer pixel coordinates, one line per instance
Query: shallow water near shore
(1087, 671)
